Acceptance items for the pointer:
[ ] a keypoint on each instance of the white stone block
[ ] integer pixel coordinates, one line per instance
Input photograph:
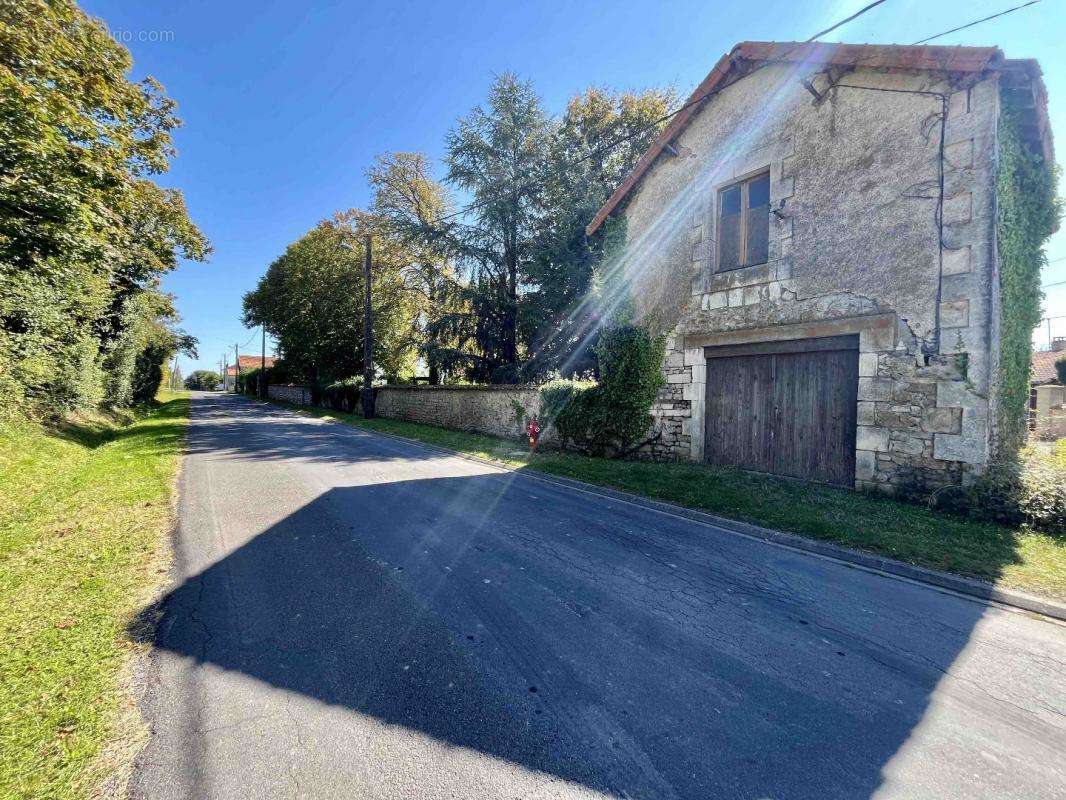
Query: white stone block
(868, 365)
(957, 262)
(865, 464)
(959, 154)
(783, 189)
(870, 438)
(958, 209)
(955, 314)
(865, 412)
(958, 104)
(717, 300)
(875, 389)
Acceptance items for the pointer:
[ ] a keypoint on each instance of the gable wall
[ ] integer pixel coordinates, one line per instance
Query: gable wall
(854, 250)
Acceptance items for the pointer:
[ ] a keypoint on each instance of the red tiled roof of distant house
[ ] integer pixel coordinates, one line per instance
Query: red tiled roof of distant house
(1044, 366)
(249, 362)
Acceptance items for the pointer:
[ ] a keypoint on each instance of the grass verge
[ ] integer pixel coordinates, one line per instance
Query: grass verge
(84, 509)
(1012, 557)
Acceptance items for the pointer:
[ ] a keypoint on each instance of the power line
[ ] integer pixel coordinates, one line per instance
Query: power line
(697, 100)
(856, 15)
(657, 122)
(249, 340)
(978, 21)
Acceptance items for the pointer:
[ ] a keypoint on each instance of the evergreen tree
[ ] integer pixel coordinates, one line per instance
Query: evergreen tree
(593, 147)
(497, 154)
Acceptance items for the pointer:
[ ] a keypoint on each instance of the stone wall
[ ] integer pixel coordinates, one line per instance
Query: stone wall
(1049, 414)
(854, 248)
(301, 395)
(495, 410)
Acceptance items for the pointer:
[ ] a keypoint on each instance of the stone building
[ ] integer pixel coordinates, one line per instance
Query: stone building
(816, 233)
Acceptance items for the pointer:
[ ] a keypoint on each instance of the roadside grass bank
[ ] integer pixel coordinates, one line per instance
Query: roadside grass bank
(1015, 557)
(85, 507)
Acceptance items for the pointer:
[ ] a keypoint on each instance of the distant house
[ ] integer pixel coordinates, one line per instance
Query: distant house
(1047, 397)
(244, 364)
(816, 234)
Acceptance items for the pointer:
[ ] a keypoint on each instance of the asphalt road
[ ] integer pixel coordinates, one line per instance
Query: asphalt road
(357, 617)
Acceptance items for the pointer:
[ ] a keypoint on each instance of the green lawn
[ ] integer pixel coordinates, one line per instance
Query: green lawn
(1010, 557)
(84, 512)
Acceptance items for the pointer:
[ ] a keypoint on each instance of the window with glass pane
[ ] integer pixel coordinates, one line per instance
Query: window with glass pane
(744, 223)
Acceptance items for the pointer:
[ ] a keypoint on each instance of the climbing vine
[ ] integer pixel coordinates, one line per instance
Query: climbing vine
(1028, 213)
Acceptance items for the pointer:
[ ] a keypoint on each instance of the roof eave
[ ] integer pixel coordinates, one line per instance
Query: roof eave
(899, 57)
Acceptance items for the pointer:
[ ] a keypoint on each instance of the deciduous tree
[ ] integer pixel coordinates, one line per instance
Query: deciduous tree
(82, 230)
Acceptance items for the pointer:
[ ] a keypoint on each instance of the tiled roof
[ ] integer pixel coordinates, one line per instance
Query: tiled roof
(249, 362)
(1043, 370)
(735, 65)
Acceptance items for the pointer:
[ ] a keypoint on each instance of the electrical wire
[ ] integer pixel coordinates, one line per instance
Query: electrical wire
(604, 148)
(608, 146)
(250, 338)
(978, 21)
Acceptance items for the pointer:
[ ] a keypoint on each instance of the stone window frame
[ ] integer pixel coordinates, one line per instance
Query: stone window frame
(770, 156)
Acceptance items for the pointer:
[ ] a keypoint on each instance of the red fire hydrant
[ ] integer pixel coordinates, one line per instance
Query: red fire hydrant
(533, 431)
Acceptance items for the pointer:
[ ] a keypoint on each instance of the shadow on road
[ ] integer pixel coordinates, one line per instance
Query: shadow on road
(632, 653)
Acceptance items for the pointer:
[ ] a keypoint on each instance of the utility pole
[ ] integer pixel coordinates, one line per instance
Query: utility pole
(225, 372)
(222, 371)
(368, 336)
(263, 367)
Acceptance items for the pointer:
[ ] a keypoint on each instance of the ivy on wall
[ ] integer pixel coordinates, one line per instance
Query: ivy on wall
(1028, 213)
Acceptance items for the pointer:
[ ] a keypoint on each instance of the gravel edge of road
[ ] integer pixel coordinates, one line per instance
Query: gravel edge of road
(953, 584)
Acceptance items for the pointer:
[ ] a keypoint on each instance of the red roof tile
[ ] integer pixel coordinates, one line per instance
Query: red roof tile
(1043, 370)
(249, 362)
(900, 57)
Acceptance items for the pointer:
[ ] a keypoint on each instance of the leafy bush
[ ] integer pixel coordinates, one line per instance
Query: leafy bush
(1060, 370)
(1031, 490)
(248, 382)
(343, 395)
(609, 417)
(557, 395)
(203, 380)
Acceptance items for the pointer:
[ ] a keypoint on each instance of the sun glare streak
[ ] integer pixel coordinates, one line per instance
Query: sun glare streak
(612, 290)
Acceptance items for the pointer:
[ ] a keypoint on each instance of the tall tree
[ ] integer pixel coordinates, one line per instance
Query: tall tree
(410, 205)
(311, 302)
(81, 232)
(593, 147)
(497, 154)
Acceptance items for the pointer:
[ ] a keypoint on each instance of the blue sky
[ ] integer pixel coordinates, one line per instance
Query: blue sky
(286, 104)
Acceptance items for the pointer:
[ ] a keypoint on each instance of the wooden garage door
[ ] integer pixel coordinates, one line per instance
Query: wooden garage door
(786, 408)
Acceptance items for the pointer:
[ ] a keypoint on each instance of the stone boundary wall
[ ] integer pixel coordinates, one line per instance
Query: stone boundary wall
(496, 410)
(301, 395)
